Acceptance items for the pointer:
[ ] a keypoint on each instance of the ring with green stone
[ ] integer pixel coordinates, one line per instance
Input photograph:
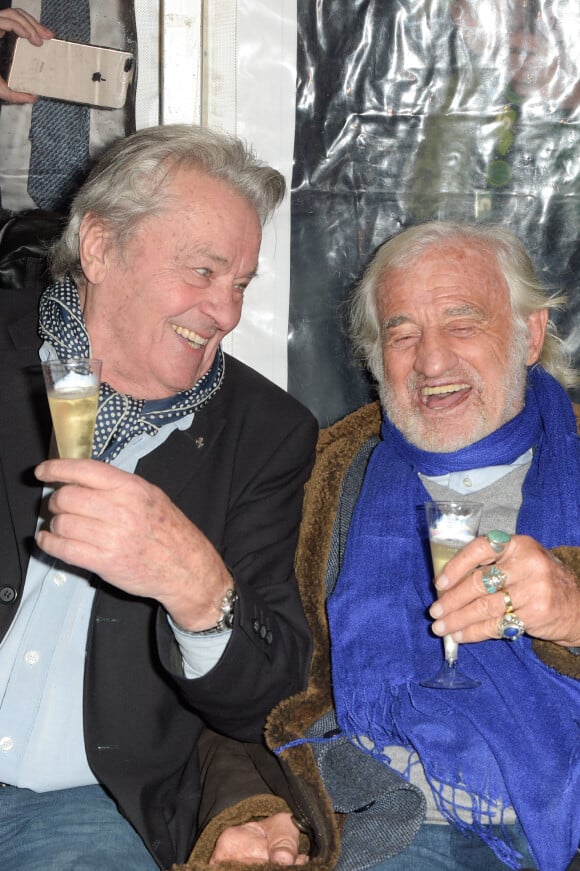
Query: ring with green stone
(493, 579)
(498, 539)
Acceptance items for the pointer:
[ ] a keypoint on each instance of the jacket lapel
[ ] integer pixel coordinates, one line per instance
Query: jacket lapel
(185, 453)
(24, 441)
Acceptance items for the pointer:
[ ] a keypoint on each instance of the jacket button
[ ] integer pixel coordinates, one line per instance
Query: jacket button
(269, 638)
(7, 595)
(256, 626)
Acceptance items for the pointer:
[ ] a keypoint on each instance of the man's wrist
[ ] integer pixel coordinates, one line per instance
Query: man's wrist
(225, 620)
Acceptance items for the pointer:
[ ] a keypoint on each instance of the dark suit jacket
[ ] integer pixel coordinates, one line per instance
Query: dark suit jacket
(238, 473)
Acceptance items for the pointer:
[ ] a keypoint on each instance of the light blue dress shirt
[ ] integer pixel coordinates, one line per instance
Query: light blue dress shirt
(473, 480)
(42, 660)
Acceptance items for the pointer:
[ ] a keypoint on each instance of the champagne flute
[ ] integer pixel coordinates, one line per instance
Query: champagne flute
(451, 526)
(72, 387)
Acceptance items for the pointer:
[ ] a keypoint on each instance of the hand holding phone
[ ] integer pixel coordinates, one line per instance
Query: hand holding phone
(22, 24)
(72, 71)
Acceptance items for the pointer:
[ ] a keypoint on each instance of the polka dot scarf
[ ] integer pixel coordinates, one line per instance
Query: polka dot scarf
(120, 417)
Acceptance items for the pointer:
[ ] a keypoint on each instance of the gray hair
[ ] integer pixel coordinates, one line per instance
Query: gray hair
(127, 184)
(527, 293)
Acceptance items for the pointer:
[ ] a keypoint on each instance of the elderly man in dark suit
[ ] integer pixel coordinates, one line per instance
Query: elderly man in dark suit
(148, 591)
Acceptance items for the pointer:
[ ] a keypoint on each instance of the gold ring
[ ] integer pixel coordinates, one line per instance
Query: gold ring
(509, 608)
(510, 626)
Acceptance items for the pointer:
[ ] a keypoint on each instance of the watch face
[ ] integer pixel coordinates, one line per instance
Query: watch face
(228, 609)
(226, 620)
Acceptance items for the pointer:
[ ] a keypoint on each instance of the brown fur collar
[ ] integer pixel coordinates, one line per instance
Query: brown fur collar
(337, 447)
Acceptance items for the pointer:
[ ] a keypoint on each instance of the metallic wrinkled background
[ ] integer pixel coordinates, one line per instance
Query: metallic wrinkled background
(409, 110)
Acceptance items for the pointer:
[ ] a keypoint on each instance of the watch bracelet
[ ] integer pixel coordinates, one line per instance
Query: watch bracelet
(226, 621)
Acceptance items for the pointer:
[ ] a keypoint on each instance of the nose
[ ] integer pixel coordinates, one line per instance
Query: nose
(434, 355)
(223, 304)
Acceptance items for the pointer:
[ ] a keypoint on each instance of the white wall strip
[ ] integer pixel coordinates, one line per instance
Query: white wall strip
(266, 96)
(181, 61)
(219, 100)
(231, 64)
(148, 63)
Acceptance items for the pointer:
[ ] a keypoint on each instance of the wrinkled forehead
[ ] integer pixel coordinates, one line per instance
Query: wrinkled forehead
(190, 185)
(463, 269)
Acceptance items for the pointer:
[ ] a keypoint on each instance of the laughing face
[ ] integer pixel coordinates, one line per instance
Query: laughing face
(157, 308)
(453, 369)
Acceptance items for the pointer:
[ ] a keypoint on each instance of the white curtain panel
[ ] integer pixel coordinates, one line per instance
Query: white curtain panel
(231, 64)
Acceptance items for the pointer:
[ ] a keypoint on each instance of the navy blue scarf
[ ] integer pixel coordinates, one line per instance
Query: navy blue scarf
(120, 417)
(514, 741)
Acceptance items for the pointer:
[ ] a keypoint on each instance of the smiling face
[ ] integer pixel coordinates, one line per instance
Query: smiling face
(453, 369)
(157, 308)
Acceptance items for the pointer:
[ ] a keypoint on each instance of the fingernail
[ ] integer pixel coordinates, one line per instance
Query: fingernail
(438, 627)
(442, 582)
(436, 610)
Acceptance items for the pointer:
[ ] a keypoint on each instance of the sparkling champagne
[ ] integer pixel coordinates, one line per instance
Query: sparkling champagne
(72, 388)
(73, 417)
(451, 526)
(441, 552)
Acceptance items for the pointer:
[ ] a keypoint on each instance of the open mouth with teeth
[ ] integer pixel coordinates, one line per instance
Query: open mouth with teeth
(444, 395)
(195, 341)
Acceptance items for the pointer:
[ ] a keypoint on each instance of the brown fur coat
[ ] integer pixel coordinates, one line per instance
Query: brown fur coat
(337, 447)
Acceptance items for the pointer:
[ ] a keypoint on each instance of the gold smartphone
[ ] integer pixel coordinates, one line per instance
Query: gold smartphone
(72, 71)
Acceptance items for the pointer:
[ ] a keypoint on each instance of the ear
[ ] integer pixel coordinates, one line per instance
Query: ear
(537, 323)
(93, 245)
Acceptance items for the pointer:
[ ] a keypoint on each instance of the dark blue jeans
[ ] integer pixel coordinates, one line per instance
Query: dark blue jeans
(444, 848)
(67, 829)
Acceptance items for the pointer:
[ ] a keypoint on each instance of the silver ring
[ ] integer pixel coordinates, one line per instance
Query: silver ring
(493, 579)
(498, 540)
(510, 626)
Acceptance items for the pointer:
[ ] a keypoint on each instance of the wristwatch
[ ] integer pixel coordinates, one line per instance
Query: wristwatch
(226, 620)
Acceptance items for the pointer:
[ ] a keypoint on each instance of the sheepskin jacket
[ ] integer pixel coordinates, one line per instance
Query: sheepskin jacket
(337, 447)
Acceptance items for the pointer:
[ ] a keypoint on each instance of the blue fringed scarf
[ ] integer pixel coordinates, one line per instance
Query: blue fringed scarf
(120, 417)
(514, 740)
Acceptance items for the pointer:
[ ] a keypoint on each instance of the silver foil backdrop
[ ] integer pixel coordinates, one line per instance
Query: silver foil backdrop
(409, 110)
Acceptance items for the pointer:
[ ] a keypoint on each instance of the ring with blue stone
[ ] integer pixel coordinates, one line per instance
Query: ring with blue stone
(493, 579)
(510, 626)
(498, 539)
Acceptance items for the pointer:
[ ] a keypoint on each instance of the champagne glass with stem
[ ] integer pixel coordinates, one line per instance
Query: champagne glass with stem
(451, 526)
(72, 387)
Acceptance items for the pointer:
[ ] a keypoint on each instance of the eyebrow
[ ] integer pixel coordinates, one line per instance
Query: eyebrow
(453, 311)
(462, 310)
(223, 261)
(211, 255)
(396, 321)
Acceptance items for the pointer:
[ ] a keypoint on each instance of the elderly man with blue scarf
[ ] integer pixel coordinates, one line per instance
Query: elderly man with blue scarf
(454, 325)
